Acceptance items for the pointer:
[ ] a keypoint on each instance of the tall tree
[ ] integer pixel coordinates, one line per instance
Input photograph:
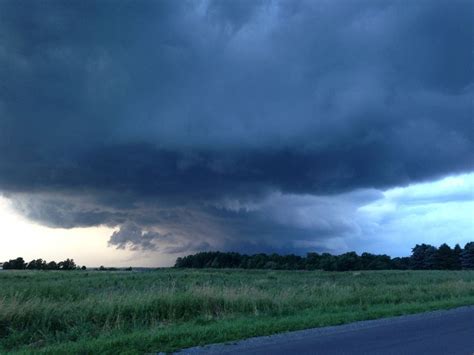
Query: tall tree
(418, 256)
(431, 258)
(467, 256)
(457, 257)
(446, 258)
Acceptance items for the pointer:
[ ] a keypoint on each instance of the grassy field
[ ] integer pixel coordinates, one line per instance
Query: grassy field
(164, 310)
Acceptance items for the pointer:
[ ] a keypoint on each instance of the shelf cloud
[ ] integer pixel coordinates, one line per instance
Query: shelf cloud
(239, 125)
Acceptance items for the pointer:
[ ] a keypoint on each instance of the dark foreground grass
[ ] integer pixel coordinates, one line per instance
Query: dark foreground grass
(168, 309)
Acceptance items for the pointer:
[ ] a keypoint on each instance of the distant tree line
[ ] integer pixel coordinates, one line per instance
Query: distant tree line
(103, 268)
(423, 257)
(40, 264)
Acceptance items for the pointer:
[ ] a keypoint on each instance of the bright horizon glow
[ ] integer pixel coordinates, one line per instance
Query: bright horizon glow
(87, 246)
(430, 212)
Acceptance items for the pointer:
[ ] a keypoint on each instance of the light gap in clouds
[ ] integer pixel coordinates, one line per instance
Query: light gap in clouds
(432, 212)
(240, 125)
(390, 222)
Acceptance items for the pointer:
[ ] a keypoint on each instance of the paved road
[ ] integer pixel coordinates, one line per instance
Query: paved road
(441, 332)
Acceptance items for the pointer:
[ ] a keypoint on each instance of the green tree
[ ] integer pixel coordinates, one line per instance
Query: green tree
(348, 261)
(446, 258)
(52, 265)
(403, 263)
(467, 256)
(15, 264)
(431, 258)
(328, 262)
(457, 257)
(67, 264)
(38, 264)
(423, 257)
(312, 261)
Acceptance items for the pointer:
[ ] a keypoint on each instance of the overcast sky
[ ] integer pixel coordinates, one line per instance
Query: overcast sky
(145, 130)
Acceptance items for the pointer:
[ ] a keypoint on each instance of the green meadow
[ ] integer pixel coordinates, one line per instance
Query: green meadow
(127, 312)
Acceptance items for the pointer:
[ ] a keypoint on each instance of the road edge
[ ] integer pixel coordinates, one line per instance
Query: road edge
(320, 331)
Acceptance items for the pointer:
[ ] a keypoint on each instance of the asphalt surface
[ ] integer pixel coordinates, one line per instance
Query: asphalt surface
(440, 332)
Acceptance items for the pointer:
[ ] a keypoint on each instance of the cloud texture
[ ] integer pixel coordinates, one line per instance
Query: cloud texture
(220, 122)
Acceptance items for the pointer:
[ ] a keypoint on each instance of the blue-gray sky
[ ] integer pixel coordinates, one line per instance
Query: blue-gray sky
(239, 125)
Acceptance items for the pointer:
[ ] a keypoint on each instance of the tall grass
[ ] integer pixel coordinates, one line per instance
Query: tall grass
(134, 312)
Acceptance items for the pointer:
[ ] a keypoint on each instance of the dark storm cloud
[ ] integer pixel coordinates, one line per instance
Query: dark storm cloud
(131, 110)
